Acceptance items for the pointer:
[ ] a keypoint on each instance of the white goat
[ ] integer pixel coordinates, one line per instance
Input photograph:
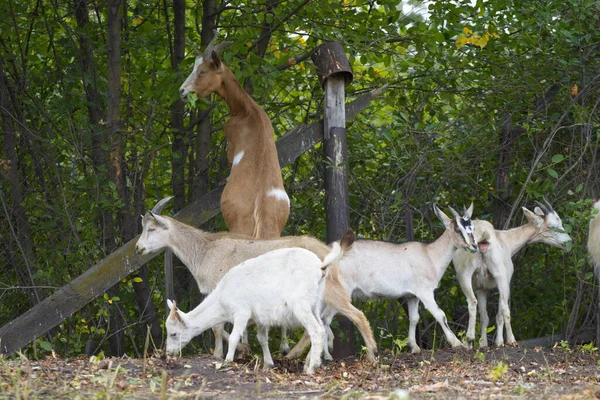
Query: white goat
(593, 243)
(209, 256)
(375, 270)
(280, 288)
(593, 247)
(492, 267)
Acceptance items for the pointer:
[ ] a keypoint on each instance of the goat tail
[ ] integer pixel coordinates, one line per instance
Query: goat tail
(338, 249)
(257, 222)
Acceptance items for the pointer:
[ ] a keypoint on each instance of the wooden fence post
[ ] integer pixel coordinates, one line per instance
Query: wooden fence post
(334, 73)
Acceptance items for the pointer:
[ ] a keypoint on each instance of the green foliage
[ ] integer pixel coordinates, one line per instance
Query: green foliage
(588, 348)
(498, 372)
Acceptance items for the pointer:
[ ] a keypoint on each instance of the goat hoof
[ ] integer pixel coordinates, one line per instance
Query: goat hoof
(284, 349)
(371, 357)
(267, 367)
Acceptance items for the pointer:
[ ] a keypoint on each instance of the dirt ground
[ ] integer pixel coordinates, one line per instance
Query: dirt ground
(503, 373)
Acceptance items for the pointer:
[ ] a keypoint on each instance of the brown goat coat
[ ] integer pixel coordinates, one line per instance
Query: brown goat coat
(246, 202)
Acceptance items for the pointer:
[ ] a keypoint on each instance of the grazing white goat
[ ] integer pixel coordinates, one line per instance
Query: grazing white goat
(209, 256)
(379, 270)
(492, 267)
(283, 287)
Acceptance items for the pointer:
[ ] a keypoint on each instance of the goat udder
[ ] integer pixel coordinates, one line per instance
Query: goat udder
(483, 246)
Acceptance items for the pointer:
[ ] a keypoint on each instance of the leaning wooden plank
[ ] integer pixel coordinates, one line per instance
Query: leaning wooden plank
(99, 278)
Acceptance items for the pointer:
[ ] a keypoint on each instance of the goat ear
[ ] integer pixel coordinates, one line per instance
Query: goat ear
(469, 211)
(456, 215)
(215, 57)
(539, 211)
(447, 221)
(160, 220)
(533, 218)
(174, 314)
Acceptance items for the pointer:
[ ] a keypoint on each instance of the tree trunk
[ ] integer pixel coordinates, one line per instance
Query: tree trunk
(16, 213)
(99, 156)
(128, 227)
(179, 147)
(177, 109)
(205, 126)
(502, 204)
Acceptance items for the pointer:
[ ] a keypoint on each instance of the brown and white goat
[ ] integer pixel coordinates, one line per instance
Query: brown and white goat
(254, 202)
(492, 267)
(209, 256)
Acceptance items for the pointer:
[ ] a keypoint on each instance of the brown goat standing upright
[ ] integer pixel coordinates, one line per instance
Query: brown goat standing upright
(254, 201)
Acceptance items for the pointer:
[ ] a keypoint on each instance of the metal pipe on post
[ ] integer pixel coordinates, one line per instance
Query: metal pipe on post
(334, 72)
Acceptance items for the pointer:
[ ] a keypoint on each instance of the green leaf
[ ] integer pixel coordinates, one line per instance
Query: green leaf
(557, 158)
(552, 173)
(44, 345)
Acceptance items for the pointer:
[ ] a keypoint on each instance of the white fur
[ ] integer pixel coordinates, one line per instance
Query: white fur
(493, 268)
(283, 287)
(593, 243)
(185, 88)
(279, 194)
(379, 270)
(237, 158)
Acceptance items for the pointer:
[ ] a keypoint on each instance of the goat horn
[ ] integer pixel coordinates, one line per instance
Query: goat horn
(211, 44)
(543, 207)
(454, 212)
(161, 204)
(549, 205)
(466, 212)
(222, 45)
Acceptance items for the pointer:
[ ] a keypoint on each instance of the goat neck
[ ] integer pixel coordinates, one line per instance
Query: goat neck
(238, 100)
(186, 242)
(516, 238)
(206, 315)
(440, 253)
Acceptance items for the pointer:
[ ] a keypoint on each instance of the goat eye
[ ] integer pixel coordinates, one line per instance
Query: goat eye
(173, 335)
(151, 229)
